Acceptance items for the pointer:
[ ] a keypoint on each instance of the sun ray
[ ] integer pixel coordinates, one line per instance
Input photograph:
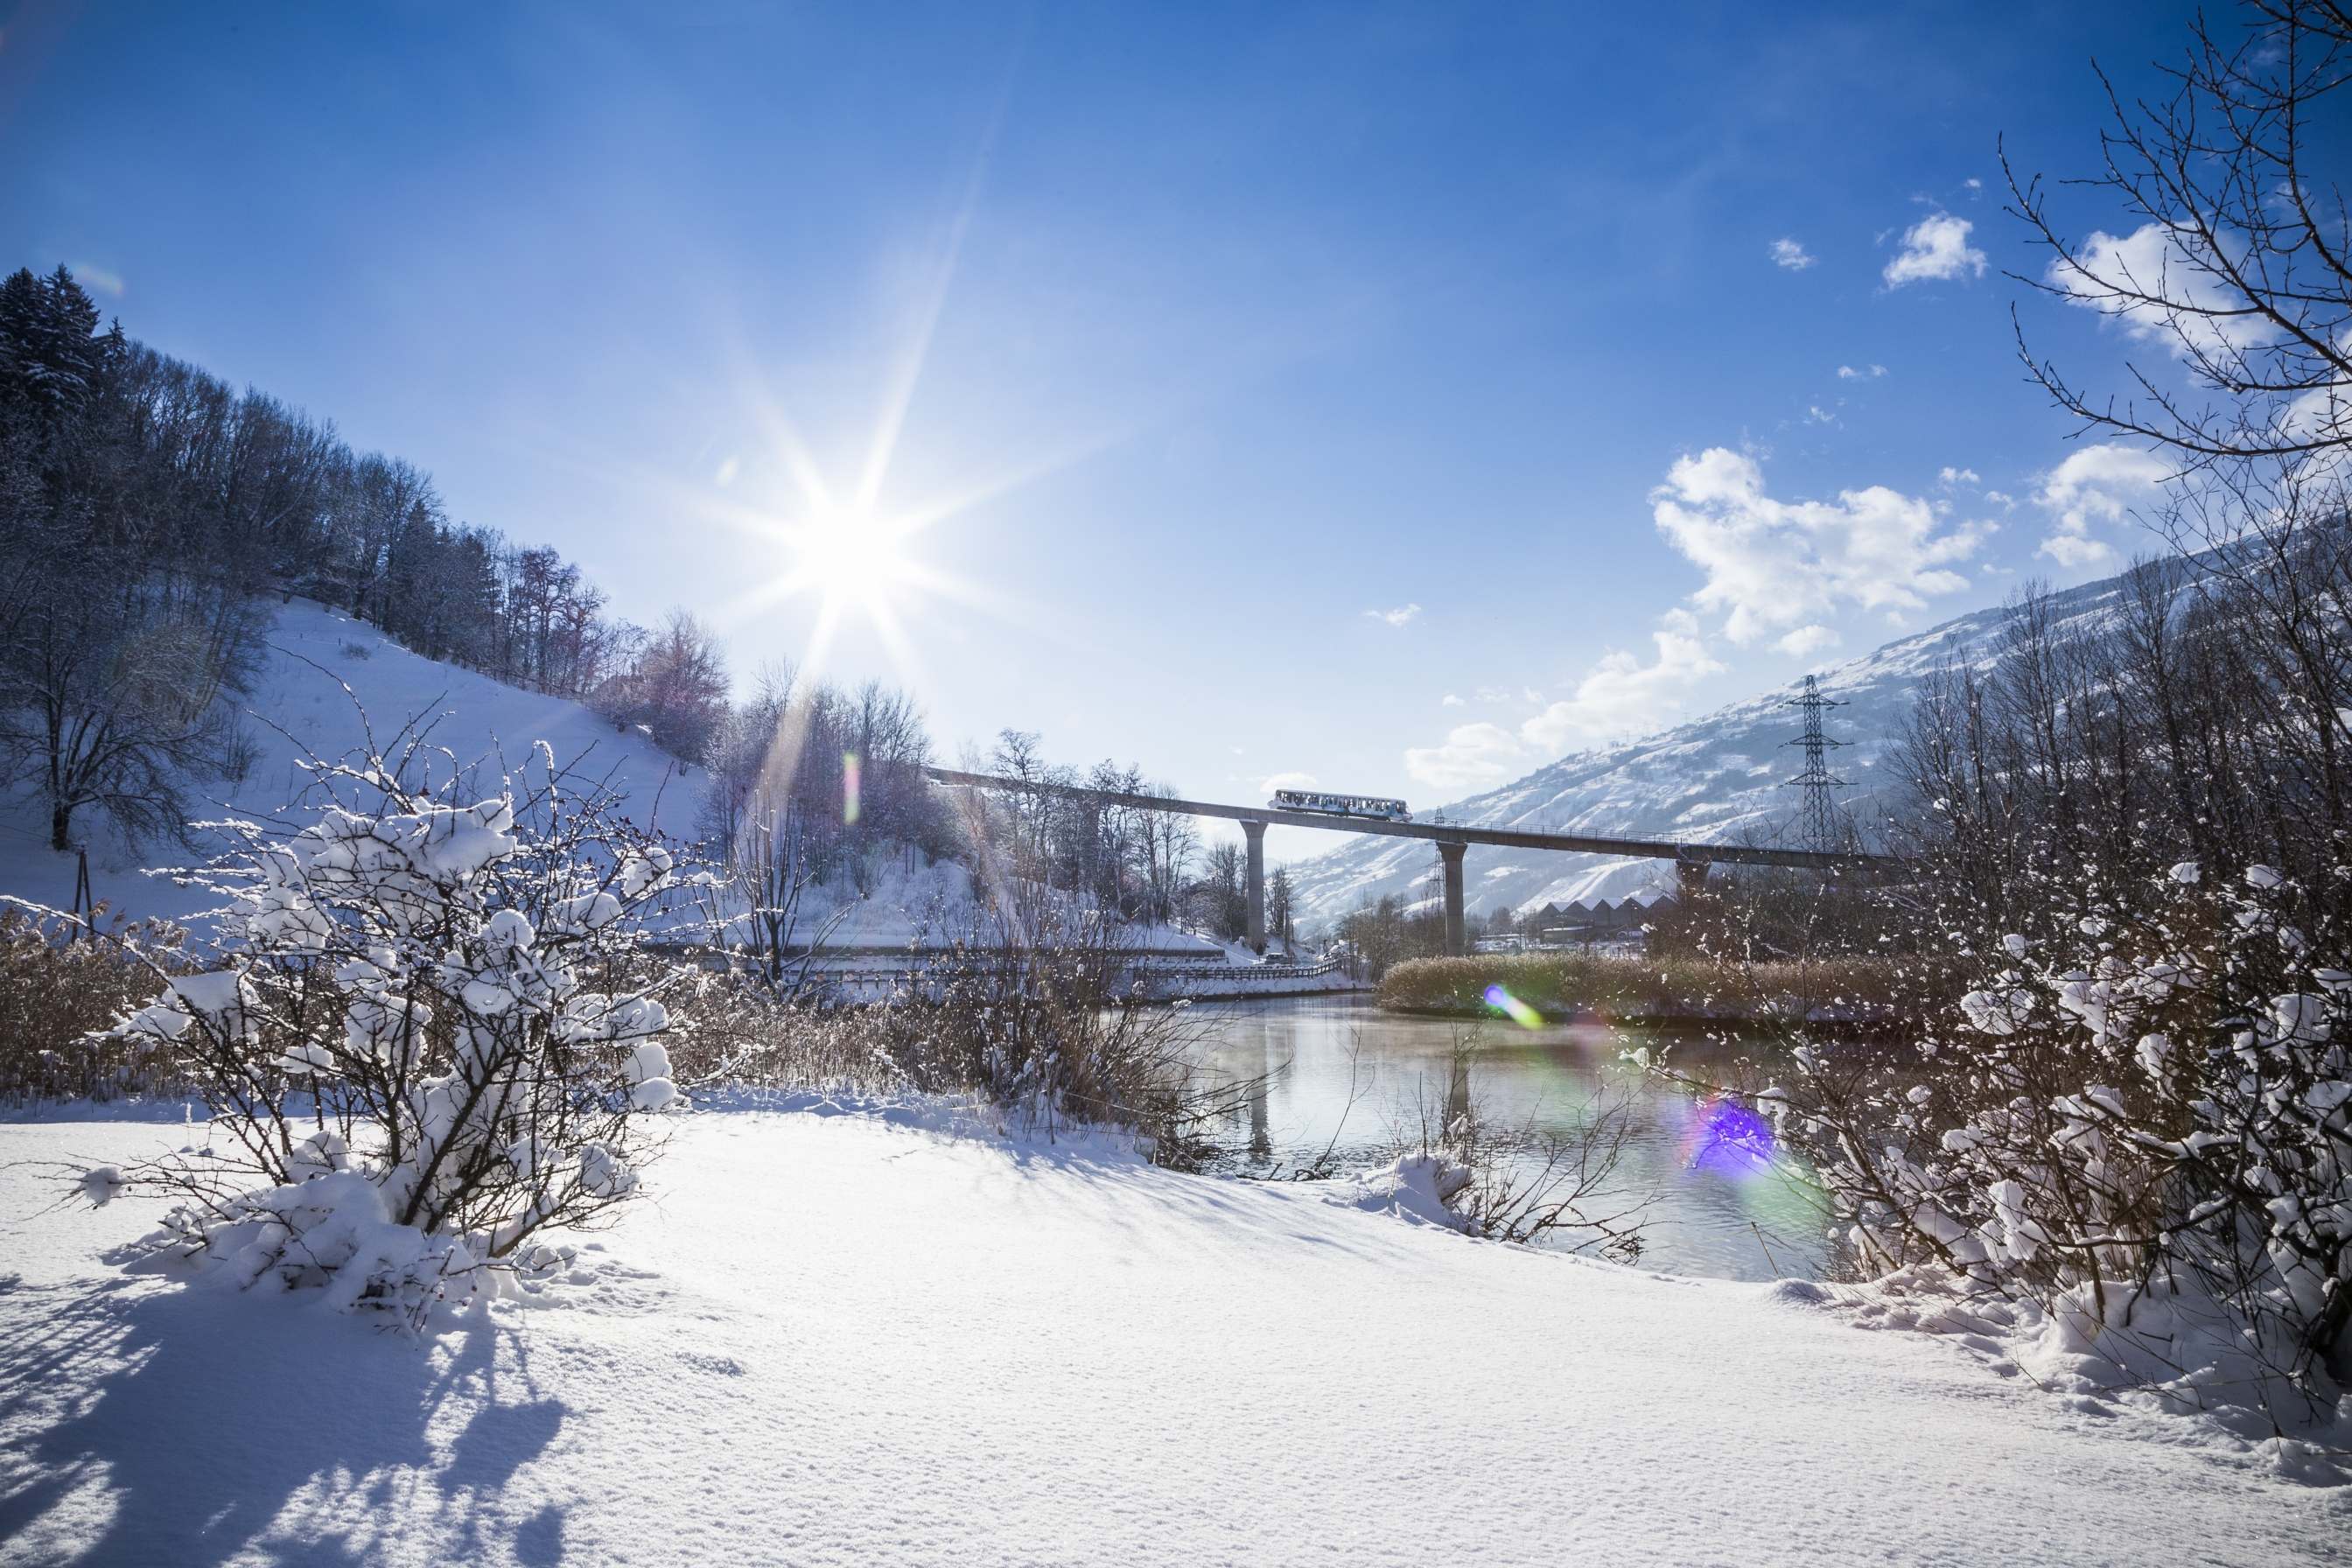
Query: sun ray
(820, 643)
(900, 391)
(895, 641)
(806, 477)
(939, 508)
(766, 595)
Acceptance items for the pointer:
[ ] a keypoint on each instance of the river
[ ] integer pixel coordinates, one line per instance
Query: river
(1335, 1072)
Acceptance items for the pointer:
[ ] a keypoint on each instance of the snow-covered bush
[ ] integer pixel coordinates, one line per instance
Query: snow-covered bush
(2145, 1124)
(435, 1037)
(2116, 1094)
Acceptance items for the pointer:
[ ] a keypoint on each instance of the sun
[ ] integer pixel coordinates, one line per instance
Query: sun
(822, 532)
(854, 561)
(858, 559)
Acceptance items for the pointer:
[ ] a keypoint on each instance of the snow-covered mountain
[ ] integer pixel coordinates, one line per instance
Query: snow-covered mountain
(1715, 779)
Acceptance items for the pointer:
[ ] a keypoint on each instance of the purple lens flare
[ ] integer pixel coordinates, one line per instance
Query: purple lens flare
(1727, 1139)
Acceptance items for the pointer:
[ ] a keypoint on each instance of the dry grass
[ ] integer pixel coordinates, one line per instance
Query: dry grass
(58, 984)
(735, 1034)
(1561, 986)
(1031, 1033)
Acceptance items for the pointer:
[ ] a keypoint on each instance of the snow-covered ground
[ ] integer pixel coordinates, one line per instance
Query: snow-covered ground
(850, 1338)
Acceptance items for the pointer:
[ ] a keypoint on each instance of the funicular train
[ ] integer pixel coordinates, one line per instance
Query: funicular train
(1339, 804)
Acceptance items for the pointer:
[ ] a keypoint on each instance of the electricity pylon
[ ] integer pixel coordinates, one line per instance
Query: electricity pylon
(1818, 815)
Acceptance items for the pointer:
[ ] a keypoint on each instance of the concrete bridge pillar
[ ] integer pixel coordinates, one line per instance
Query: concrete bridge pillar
(1690, 876)
(1256, 833)
(1458, 942)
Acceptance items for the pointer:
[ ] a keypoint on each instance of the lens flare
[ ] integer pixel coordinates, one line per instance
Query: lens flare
(1501, 1001)
(1727, 1139)
(849, 788)
(98, 279)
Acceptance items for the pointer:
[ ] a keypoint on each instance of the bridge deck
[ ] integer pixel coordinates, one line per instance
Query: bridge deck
(1446, 833)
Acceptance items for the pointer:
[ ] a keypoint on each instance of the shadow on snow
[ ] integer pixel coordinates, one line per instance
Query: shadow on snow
(144, 1423)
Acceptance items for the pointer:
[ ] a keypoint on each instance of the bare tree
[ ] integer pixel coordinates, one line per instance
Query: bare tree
(676, 689)
(1279, 898)
(119, 697)
(2242, 266)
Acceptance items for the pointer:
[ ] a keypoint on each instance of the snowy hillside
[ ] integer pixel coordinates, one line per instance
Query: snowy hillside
(296, 707)
(1712, 780)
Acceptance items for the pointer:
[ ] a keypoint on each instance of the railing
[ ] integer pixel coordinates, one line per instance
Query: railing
(1158, 976)
(1240, 976)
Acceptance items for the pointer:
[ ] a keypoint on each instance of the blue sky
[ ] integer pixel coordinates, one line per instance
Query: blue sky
(1396, 396)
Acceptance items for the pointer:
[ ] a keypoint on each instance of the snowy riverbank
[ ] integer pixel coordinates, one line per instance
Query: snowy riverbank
(833, 1338)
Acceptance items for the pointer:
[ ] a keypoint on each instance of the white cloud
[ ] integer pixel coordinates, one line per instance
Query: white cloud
(1288, 781)
(2096, 484)
(1847, 373)
(1452, 701)
(1935, 248)
(2151, 261)
(1788, 253)
(1472, 754)
(1816, 415)
(1951, 476)
(1777, 563)
(1397, 616)
(1621, 694)
(1808, 639)
(2071, 551)
(1976, 184)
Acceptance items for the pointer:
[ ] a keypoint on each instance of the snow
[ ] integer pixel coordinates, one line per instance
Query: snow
(1416, 1186)
(849, 1338)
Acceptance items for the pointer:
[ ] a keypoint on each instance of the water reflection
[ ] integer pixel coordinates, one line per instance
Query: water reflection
(1261, 1141)
(1336, 1076)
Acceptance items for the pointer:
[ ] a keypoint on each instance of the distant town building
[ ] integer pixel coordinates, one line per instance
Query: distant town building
(1583, 925)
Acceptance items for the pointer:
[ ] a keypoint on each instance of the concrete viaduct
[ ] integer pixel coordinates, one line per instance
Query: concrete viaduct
(1691, 860)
